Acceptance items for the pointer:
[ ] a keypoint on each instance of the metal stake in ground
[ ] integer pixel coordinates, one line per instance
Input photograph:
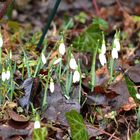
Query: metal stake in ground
(50, 18)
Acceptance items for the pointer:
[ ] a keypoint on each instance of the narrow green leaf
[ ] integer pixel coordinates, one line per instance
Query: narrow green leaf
(131, 88)
(136, 136)
(78, 129)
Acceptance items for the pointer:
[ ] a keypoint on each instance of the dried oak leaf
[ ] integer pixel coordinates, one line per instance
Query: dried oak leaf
(7, 131)
(17, 121)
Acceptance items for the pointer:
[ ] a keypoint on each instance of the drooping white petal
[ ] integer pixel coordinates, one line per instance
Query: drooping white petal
(43, 58)
(51, 87)
(73, 64)
(76, 76)
(138, 96)
(57, 61)
(10, 55)
(1, 41)
(102, 59)
(114, 53)
(3, 76)
(103, 48)
(37, 124)
(8, 74)
(117, 44)
(62, 49)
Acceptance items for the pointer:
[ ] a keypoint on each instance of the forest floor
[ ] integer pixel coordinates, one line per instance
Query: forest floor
(103, 103)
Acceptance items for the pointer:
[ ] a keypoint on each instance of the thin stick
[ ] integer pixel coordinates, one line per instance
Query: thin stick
(51, 16)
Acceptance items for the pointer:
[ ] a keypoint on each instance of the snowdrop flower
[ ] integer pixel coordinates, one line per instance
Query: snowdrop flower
(76, 76)
(62, 49)
(57, 61)
(102, 59)
(103, 48)
(8, 74)
(138, 96)
(37, 125)
(1, 40)
(117, 44)
(10, 54)
(73, 64)
(3, 76)
(114, 53)
(51, 87)
(43, 58)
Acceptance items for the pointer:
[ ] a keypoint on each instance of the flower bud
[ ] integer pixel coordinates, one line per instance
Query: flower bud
(51, 87)
(3, 76)
(8, 74)
(62, 49)
(73, 64)
(117, 44)
(76, 76)
(102, 59)
(138, 96)
(114, 53)
(37, 124)
(43, 58)
(103, 48)
(1, 40)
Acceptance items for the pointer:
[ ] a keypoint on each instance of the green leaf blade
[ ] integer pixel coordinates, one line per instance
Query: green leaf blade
(78, 129)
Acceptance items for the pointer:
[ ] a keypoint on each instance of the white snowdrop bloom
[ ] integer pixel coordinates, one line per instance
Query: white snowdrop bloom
(37, 124)
(103, 48)
(10, 54)
(114, 53)
(117, 44)
(76, 76)
(43, 58)
(102, 59)
(1, 40)
(8, 74)
(3, 76)
(138, 96)
(73, 64)
(57, 61)
(62, 49)
(51, 87)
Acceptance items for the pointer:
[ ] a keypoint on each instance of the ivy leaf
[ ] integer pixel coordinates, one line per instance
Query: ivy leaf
(92, 35)
(102, 24)
(78, 129)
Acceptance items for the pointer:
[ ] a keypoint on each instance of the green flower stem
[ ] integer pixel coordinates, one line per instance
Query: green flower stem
(0, 59)
(93, 74)
(51, 16)
(68, 84)
(37, 67)
(60, 69)
(111, 68)
(44, 103)
(80, 83)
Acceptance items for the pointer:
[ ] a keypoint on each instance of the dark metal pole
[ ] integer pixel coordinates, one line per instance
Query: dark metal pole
(51, 16)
